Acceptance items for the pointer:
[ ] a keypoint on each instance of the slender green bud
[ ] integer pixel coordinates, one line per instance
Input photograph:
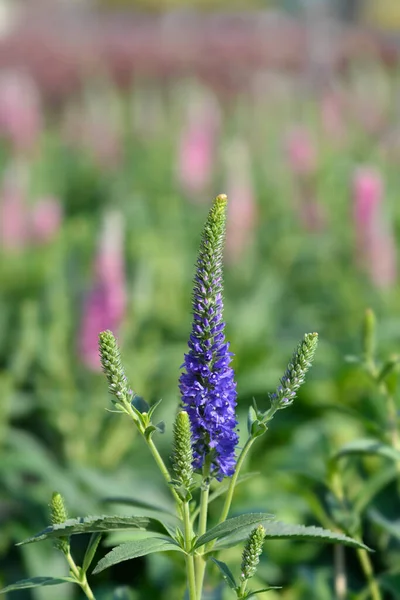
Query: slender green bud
(111, 362)
(58, 514)
(251, 553)
(295, 373)
(182, 457)
(369, 336)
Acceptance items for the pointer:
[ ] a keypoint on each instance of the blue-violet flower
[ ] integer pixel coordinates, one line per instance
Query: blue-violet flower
(207, 386)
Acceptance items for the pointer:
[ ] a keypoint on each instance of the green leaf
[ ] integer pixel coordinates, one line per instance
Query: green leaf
(392, 527)
(91, 550)
(24, 584)
(268, 589)
(135, 549)
(368, 446)
(226, 573)
(153, 408)
(373, 486)
(279, 530)
(242, 524)
(169, 521)
(88, 525)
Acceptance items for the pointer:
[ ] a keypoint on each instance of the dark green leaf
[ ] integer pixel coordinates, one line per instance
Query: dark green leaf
(392, 527)
(279, 530)
(135, 549)
(368, 446)
(268, 589)
(24, 584)
(170, 522)
(373, 486)
(244, 523)
(226, 573)
(89, 525)
(91, 550)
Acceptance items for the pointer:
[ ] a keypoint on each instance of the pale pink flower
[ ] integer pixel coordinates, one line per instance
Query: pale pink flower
(301, 152)
(375, 246)
(242, 208)
(332, 117)
(105, 304)
(20, 110)
(197, 147)
(46, 218)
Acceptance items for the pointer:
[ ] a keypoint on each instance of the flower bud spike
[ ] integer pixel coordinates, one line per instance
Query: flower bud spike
(58, 514)
(295, 373)
(251, 553)
(111, 362)
(182, 457)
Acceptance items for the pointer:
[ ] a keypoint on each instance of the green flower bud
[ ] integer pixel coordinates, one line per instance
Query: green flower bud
(251, 553)
(111, 362)
(58, 514)
(295, 373)
(182, 457)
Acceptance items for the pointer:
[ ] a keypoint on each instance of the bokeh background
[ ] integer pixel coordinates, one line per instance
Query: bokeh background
(119, 123)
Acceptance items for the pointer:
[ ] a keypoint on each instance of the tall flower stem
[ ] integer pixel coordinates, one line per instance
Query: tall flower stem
(156, 455)
(80, 577)
(190, 570)
(366, 565)
(231, 488)
(202, 528)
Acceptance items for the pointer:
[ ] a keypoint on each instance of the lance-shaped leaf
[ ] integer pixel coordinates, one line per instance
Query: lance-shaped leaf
(242, 524)
(89, 525)
(226, 573)
(368, 446)
(91, 550)
(256, 592)
(169, 521)
(135, 549)
(34, 582)
(279, 530)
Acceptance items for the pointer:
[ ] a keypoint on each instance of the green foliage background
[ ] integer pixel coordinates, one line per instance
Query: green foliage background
(54, 430)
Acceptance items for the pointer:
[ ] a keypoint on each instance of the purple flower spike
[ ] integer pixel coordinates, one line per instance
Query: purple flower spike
(207, 386)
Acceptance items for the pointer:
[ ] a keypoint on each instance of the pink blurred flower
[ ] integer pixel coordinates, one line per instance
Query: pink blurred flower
(242, 209)
(301, 151)
(197, 147)
(332, 116)
(375, 247)
(14, 226)
(46, 217)
(20, 110)
(105, 304)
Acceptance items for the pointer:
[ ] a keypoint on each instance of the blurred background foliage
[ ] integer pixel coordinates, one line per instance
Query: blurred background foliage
(103, 193)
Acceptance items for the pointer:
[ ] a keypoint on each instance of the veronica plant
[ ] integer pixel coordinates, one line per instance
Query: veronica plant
(205, 448)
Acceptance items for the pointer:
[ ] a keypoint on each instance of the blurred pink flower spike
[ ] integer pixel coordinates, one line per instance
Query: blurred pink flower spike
(105, 304)
(242, 208)
(46, 218)
(20, 110)
(14, 217)
(375, 246)
(197, 146)
(301, 151)
(332, 118)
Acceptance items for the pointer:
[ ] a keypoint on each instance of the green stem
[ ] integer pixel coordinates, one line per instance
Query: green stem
(231, 488)
(156, 455)
(369, 574)
(188, 532)
(80, 577)
(242, 589)
(202, 528)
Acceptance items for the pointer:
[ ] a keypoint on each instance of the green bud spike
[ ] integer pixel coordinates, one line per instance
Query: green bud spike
(182, 457)
(295, 373)
(369, 336)
(58, 514)
(251, 553)
(111, 362)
